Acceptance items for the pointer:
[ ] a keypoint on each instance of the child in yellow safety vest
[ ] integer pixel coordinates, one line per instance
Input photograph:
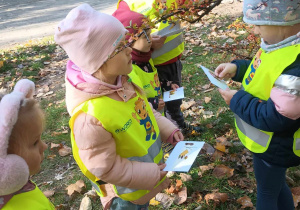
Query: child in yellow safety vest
(21, 149)
(267, 109)
(143, 71)
(116, 135)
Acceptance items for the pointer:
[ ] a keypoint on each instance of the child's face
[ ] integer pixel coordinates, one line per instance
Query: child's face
(121, 63)
(143, 44)
(271, 34)
(32, 148)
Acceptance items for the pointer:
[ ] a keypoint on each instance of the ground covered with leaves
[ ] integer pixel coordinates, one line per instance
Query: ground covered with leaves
(222, 176)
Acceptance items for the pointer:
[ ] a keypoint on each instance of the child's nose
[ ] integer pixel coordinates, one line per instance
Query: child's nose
(129, 50)
(44, 146)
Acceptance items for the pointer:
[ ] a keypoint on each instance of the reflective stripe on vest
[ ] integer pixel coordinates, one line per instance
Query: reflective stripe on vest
(253, 133)
(289, 84)
(152, 153)
(174, 43)
(264, 73)
(297, 143)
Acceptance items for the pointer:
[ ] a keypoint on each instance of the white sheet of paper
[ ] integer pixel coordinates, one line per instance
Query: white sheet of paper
(183, 156)
(173, 95)
(169, 31)
(217, 82)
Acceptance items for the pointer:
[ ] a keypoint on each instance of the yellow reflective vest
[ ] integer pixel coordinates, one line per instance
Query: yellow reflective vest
(32, 200)
(173, 46)
(149, 82)
(264, 71)
(135, 130)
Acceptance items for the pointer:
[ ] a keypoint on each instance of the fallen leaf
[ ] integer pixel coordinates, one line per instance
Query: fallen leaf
(171, 189)
(296, 195)
(53, 145)
(185, 177)
(197, 196)
(51, 157)
(165, 200)
(205, 168)
(217, 155)
(220, 147)
(221, 171)
(64, 151)
(245, 202)
(207, 149)
(86, 204)
(154, 202)
(178, 185)
(49, 193)
(181, 196)
(77, 187)
(216, 197)
(1, 63)
(209, 125)
(186, 105)
(207, 100)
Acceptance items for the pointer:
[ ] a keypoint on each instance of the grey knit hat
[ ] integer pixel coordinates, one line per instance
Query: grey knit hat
(272, 12)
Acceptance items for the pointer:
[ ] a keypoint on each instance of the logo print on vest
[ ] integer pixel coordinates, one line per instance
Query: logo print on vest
(254, 66)
(156, 85)
(140, 109)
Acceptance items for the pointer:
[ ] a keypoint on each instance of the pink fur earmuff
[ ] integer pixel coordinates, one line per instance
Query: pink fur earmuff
(14, 171)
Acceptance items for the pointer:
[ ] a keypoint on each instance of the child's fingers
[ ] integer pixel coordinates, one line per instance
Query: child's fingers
(162, 166)
(219, 69)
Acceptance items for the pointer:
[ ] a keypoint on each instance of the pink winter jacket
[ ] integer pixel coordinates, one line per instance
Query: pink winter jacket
(97, 148)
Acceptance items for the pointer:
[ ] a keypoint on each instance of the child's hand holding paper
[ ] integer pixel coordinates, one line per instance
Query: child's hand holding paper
(213, 79)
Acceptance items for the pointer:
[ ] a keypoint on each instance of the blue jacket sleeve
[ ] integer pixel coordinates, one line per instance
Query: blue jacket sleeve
(242, 66)
(258, 113)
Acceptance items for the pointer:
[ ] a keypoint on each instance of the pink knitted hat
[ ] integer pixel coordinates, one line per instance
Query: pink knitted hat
(14, 171)
(89, 37)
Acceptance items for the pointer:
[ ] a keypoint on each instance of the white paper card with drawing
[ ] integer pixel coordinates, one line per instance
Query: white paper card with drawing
(183, 156)
(173, 94)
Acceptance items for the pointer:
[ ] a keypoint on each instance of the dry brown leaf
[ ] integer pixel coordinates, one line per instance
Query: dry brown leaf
(51, 157)
(217, 155)
(216, 197)
(221, 171)
(207, 99)
(185, 177)
(197, 196)
(186, 105)
(181, 196)
(205, 87)
(205, 168)
(245, 202)
(77, 187)
(53, 145)
(49, 193)
(1, 64)
(296, 195)
(209, 125)
(171, 189)
(64, 151)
